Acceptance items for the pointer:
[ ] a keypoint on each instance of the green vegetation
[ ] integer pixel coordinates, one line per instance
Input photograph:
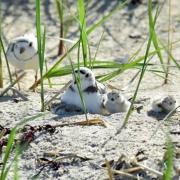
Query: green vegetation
(141, 63)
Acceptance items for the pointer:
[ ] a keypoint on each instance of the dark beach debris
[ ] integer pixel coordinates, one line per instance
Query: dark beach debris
(3, 142)
(126, 167)
(29, 132)
(139, 108)
(4, 131)
(54, 161)
(136, 2)
(132, 36)
(175, 132)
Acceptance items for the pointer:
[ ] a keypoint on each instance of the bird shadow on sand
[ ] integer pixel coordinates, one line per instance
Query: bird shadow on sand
(63, 110)
(158, 116)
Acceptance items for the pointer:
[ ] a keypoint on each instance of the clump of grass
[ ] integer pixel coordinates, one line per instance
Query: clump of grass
(89, 30)
(41, 49)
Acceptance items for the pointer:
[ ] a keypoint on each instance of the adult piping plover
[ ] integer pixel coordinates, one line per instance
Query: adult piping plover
(93, 93)
(22, 53)
(166, 104)
(116, 102)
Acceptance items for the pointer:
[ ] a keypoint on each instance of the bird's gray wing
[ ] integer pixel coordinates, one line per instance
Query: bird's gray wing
(101, 88)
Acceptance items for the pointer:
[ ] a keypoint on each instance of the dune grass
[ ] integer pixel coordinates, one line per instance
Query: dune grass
(41, 48)
(90, 29)
(137, 63)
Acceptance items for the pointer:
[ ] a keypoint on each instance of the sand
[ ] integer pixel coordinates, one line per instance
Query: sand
(124, 33)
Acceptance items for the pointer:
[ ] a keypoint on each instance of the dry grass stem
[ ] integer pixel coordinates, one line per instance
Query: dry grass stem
(11, 85)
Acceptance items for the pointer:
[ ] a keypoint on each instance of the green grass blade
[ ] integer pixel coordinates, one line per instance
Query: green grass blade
(7, 153)
(78, 80)
(7, 63)
(144, 64)
(90, 30)
(97, 49)
(1, 68)
(16, 169)
(167, 175)
(41, 48)
(83, 38)
(170, 55)
(154, 35)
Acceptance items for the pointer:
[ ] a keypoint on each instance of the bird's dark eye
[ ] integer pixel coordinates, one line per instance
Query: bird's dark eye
(30, 44)
(82, 72)
(118, 96)
(112, 99)
(87, 75)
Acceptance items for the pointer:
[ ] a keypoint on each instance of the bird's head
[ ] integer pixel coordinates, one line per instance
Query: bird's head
(85, 76)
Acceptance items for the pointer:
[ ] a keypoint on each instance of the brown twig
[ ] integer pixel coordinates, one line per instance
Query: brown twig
(124, 174)
(11, 85)
(134, 162)
(110, 173)
(24, 98)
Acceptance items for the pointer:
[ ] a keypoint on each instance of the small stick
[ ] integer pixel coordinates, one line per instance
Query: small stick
(57, 94)
(133, 170)
(83, 123)
(35, 84)
(134, 162)
(125, 174)
(35, 80)
(16, 74)
(11, 85)
(19, 94)
(110, 173)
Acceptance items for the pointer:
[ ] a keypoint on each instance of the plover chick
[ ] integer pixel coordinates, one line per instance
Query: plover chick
(116, 102)
(22, 53)
(166, 104)
(93, 94)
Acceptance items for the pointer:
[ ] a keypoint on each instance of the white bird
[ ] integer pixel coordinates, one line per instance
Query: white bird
(116, 102)
(166, 104)
(22, 53)
(93, 93)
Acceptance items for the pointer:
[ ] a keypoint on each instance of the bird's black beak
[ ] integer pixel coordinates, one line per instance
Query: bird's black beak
(22, 49)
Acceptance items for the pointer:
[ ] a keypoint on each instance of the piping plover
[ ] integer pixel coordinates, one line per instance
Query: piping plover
(93, 93)
(22, 53)
(116, 102)
(166, 104)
